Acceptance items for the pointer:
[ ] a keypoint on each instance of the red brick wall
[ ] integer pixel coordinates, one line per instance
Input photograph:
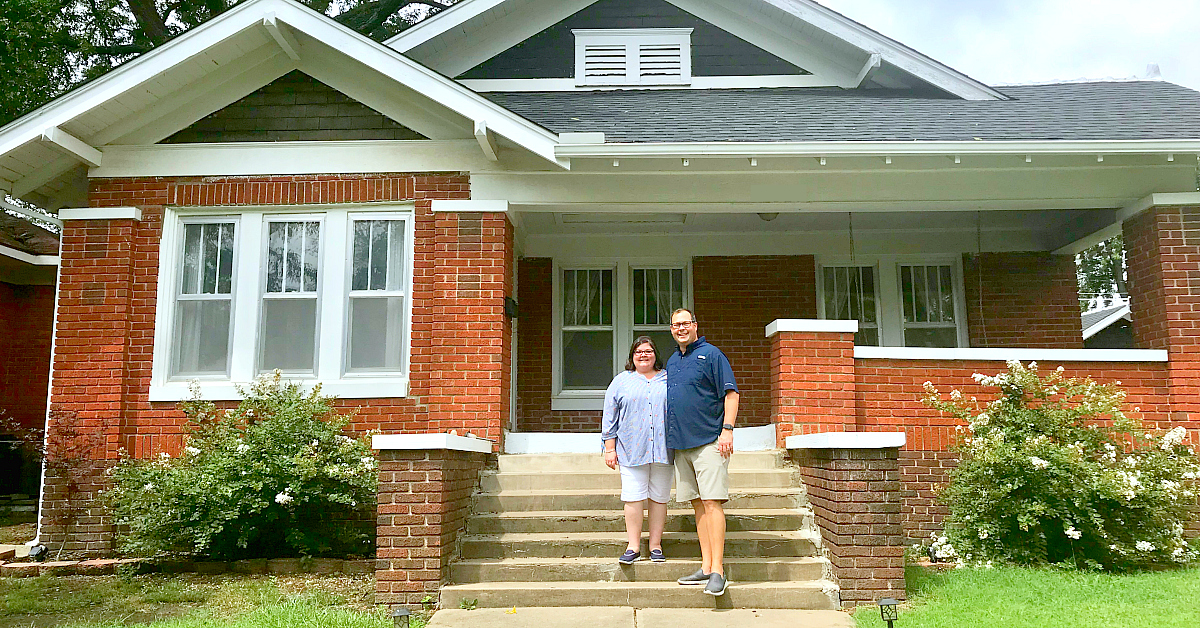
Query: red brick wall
(735, 299)
(27, 318)
(1029, 300)
(812, 383)
(887, 398)
(463, 268)
(423, 503)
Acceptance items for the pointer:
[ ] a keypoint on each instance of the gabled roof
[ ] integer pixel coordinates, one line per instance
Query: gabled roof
(802, 32)
(1103, 111)
(1096, 321)
(226, 58)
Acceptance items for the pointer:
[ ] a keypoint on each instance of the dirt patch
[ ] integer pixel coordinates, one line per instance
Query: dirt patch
(17, 533)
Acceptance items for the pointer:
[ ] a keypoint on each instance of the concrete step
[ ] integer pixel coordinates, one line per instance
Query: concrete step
(678, 520)
(492, 482)
(610, 499)
(610, 544)
(609, 570)
(813, 595)
(594, 462)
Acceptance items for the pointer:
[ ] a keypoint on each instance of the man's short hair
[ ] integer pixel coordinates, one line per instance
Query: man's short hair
(683, 309)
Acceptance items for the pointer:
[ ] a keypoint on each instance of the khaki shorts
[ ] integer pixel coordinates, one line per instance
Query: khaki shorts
(701, 473)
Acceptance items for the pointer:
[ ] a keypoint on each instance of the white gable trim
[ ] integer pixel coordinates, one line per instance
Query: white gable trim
(329, 33)
(698, 82)
(494, 34)
(1103, 323)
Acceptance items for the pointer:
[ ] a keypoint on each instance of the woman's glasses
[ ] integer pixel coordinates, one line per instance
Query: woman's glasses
(644, 352)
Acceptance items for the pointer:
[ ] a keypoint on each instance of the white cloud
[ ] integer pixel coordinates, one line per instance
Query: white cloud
(1007, 41)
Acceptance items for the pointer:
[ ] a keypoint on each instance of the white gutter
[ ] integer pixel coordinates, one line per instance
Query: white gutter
(1098, 148)
(22, 256)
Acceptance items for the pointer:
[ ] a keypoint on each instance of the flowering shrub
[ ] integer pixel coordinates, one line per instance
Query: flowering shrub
(274, 477)
(1054, 471)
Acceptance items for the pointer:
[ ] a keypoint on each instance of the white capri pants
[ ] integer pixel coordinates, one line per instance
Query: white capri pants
(647, 481)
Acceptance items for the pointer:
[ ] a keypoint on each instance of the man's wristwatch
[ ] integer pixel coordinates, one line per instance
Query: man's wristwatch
(727, 427)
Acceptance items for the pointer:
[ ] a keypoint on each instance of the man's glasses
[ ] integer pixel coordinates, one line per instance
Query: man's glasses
(682, 324)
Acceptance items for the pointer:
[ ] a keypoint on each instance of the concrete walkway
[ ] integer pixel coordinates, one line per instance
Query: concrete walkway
(627, 617)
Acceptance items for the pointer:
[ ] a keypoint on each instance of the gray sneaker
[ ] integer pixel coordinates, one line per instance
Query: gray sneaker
(716, 584)
(697, 578)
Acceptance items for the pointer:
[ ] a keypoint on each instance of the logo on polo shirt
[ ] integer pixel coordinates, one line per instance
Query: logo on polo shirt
(701, 357)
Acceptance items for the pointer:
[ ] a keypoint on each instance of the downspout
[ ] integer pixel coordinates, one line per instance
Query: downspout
(37, 537)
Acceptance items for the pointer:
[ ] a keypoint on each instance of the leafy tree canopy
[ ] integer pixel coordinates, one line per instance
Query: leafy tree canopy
(50, 46)
(1101, 271)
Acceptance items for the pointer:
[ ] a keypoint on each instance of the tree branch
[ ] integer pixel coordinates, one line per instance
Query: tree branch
(367, 17)
(149, 21)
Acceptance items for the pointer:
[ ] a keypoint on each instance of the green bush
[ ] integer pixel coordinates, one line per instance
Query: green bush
(275, 476)
(1054, 471)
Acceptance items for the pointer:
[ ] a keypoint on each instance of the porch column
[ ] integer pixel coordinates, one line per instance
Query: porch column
(812, 376)
(471, 335)
(95, 320)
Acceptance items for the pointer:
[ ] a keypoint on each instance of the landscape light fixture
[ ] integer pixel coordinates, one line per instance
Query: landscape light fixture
(400, 617)
(887, 610)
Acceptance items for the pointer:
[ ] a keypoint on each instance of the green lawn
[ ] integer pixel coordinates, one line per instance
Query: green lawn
(191, 601)
(1041, 598)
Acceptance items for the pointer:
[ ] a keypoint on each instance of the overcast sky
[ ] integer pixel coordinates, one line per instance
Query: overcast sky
(1024, 41)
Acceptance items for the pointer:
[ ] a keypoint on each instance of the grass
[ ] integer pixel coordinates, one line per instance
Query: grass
(191, 601)
(1042, 598)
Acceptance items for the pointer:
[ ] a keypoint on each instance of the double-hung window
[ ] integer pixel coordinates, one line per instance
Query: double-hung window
(322, 296)
(897, 301)
(600, 310)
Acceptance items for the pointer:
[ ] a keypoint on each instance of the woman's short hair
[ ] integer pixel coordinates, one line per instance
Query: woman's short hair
(641, 340)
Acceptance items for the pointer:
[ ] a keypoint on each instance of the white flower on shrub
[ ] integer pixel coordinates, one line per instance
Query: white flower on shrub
(345, 440)
(1038, 463)
(1178, 553)
(1170, 486)
(192, 451)
(368, 462)
(1173, 439)
(1144, 546)
(283, 498)
(983, 533)
(148, 487)
(1073, 533)
(1189, 475)
(242, 448)
(162, 455)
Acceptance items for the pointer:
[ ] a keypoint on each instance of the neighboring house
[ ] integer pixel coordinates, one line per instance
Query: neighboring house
(273, 191)
(1109, 327)
(28, 264)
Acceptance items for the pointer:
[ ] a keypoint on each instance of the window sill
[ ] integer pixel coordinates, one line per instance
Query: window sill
(1024, 355)
(578, 402)
(349, 388)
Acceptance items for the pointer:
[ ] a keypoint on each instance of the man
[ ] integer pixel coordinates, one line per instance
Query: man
(702, 403)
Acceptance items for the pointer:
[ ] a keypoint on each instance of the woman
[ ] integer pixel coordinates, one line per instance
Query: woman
(633, 434)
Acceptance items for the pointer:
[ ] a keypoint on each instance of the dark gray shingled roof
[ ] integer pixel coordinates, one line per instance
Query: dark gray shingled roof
(1133, 110)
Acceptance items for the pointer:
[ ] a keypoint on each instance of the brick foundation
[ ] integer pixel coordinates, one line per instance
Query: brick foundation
(855, 498)
(463, 268)
(424, 499)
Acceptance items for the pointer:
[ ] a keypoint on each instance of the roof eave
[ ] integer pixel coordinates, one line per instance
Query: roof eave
(878, 148)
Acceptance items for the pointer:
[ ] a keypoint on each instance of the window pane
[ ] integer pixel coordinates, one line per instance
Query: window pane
(641, 311)
(920, 295)
(849, 293)
(292, 256)
(395, 258)
(570, 311)
(191, 259)
(931, 337)
(946, 294)
(225, 265)
(276, 245)
(867, 273)
(664, 342)
(587, 359)
(289, 330)
(868, 337)
(378, 255)
(656, 293)
(207, 259)
(361, 255)
(202, 337)
(376, 333)
(587, 297)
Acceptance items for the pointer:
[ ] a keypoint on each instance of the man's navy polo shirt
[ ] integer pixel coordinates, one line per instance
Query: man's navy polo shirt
(697, 380)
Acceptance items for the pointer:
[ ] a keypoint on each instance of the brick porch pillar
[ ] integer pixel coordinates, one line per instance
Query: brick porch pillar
(1162, 247)
(853, 485)
(812, 376)
(95, 321)
(474, 269)
(425, 486)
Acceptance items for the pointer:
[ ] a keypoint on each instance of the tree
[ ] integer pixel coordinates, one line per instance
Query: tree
(1101, 271)
(49, 46)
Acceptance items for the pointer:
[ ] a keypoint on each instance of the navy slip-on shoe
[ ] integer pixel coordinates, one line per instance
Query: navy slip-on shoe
(657, 556)
(628, 557)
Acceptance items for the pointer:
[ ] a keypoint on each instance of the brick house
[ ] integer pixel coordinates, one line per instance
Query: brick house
(464, 227)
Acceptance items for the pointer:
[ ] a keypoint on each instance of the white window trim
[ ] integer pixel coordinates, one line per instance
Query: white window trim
(887, 268)
(248, 283)
(623, 334)
(174, 286)
(632, 39)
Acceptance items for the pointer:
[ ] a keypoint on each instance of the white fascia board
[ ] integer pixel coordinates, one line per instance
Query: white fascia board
(889, 49)
(1169, 199)
(874, 148)
(1004, 355)
(810, 325)
(422, 80)
(698, 82)
(1103, 323)
(480, 206)
(452, 442)
(28, 258)
(100, 213)
(845, 440)
(17, 209)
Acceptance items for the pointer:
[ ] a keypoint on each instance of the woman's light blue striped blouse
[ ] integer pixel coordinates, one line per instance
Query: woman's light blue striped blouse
(634, 413)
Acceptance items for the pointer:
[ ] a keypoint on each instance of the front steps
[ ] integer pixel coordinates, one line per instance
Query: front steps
(547, 529)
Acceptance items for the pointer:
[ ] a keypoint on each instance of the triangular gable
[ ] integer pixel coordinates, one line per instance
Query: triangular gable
(294, 108)
(223, 60)
(839, 50)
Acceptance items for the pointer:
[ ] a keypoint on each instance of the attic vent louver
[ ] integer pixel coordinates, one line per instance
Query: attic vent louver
(650, 56)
